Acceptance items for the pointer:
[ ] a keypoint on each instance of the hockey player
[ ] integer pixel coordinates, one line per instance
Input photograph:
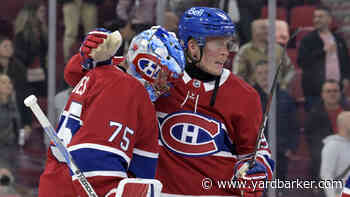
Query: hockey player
(109, 123)
(209, 124)
(209, 119)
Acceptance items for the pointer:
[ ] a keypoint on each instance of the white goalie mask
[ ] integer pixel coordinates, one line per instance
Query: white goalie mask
(155, 57)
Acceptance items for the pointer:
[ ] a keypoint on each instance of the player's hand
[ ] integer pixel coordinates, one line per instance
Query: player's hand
(91, 41)
(252, 178)
(99, 46)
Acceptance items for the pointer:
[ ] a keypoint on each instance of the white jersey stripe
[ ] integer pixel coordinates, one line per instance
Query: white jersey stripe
(102, 173)
(264, 152)
(145, 153)
(100, 147)
(161, 114)
(224, 154)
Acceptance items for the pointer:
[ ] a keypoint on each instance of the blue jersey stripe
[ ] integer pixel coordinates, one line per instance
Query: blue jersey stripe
(89, 159)
(143, 167)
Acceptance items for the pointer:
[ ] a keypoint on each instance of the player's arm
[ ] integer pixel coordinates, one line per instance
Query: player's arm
(73, 71)
(145, 152)
(97, 49)
(248, 128)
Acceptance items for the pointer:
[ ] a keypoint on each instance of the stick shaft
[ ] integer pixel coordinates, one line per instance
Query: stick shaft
(269, 101)
(31, 102)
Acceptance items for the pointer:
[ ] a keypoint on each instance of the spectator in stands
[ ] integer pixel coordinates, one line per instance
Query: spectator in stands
(231, 7)
(322, 55)
(139, 13)
(18, 75)
(9, 115)
(125, 30)
(287, 124)
(341, 15)
(249, 11)
(282, 32)
(289, 4)
(31, 45)
(134, 17)
(172, 21)
(77, 12)
(9, 125)
(321, 121)
(180, 6)
(335, 157)
(7, 188)
(6, 27)
(256, 50)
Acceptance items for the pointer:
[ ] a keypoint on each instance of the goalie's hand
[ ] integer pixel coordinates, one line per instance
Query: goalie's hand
(251, 178)
(98, 46)
(91, 41)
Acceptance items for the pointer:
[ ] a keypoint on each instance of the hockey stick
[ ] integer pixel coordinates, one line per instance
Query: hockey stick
(31, 102)
(269, 101)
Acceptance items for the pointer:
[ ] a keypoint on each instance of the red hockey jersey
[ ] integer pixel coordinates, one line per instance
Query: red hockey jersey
(201, 142)
(110, 128)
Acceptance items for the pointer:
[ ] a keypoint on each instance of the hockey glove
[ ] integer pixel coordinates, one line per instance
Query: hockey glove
(251, 180)
(98, 47)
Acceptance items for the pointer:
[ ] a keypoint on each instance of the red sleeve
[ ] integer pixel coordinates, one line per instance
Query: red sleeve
(148, 124)
(249, 126)
(248, 123)
(145, 153)
(73, 71)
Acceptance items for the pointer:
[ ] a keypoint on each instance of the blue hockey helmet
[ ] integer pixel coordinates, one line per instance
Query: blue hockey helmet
(153, 51)
(202, 22)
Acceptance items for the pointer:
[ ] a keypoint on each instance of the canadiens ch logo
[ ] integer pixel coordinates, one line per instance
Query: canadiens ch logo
(190, 134)
(147, 65)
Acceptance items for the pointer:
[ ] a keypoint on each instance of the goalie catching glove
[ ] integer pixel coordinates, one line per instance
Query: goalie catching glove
(99, 47)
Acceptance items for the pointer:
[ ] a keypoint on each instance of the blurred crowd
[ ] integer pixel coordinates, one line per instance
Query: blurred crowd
(313, 86)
